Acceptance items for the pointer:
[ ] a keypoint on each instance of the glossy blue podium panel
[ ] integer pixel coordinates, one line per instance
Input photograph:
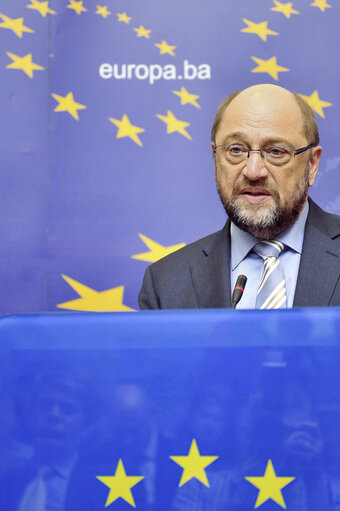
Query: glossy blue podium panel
(171, 411)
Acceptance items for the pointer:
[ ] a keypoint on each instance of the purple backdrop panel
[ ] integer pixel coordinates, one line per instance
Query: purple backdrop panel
(111, 139)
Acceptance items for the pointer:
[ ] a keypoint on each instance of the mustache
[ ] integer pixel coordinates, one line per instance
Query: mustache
(259, 183)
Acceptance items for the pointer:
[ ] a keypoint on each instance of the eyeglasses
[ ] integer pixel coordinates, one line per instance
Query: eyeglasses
(274, 155)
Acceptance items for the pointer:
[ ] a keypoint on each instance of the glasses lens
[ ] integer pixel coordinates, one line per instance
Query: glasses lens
(232, 154)
(276, 155)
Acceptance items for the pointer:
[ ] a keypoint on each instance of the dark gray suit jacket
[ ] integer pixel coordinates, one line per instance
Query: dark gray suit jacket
(198, 275)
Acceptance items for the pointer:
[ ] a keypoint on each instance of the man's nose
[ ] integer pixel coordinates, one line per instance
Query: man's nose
(255, 167)
(55, 411)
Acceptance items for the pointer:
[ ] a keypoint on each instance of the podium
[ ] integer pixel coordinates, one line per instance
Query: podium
(204, 410)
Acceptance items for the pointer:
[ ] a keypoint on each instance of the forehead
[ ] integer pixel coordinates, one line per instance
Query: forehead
(264, 114)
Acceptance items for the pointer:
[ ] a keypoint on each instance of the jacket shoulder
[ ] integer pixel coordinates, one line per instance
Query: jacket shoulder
(326, 222)
(168, 282)
(191, 252)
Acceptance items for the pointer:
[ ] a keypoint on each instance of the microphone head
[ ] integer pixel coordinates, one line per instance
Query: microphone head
(241, 281)
(238, 290)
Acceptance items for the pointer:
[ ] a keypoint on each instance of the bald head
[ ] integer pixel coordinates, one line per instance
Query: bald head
(268, 104)
(265, 90)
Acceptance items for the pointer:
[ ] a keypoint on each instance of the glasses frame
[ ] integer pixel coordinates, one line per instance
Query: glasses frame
(296, 151)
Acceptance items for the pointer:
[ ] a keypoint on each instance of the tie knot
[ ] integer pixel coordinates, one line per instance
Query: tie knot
(268, 249)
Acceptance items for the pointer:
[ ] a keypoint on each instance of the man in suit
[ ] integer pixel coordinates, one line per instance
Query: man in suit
(129, 432)
(53, 407)
(265, 144)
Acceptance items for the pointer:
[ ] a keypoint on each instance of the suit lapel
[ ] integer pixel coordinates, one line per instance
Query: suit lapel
(320, 265)
(211, 277)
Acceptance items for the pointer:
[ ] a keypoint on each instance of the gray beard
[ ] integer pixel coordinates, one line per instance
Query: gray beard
(275, 219)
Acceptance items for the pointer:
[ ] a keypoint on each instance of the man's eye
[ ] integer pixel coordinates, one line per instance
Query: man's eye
(236, 149)
(275, 151)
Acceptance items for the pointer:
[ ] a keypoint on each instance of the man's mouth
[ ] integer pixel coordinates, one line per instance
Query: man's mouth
(255, 195)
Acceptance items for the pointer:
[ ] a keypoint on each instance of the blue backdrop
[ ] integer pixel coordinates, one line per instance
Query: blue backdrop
(106, 113)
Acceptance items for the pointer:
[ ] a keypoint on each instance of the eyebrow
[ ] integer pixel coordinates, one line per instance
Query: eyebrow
(268, 141)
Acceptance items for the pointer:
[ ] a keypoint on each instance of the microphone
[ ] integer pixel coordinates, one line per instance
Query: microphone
(238, 290)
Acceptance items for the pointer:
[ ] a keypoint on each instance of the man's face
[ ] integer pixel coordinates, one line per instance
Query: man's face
(264, 199)
(57, 418)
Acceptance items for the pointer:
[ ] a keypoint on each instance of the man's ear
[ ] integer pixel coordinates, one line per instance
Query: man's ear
(314, 161)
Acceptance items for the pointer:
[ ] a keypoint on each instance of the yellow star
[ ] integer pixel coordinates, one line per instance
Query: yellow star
(103, 11)
(270, 486)
(120, 485)
(164, 47)
(17, 25)
(269, 66)
(316, 103)
(157, 251)
(123, 17)
(173, 124)
(67, 104)
(322, 4)
(41, 7)
(193, 465)
(142, 32)
(126, 129)
(260, 29)
(109, 300)
(186, 97)
(24, 63)
(77, 6)
(286, 9)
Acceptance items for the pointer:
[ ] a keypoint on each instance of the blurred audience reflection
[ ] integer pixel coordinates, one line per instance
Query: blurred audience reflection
(52, 408)
(283, 425)
(212, 420)
(129, 432)
(277, 409)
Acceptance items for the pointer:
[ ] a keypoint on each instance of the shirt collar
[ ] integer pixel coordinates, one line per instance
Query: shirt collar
(63, 468)
(242, 242)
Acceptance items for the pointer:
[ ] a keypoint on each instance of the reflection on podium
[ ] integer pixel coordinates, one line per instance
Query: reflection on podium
(172, 411)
